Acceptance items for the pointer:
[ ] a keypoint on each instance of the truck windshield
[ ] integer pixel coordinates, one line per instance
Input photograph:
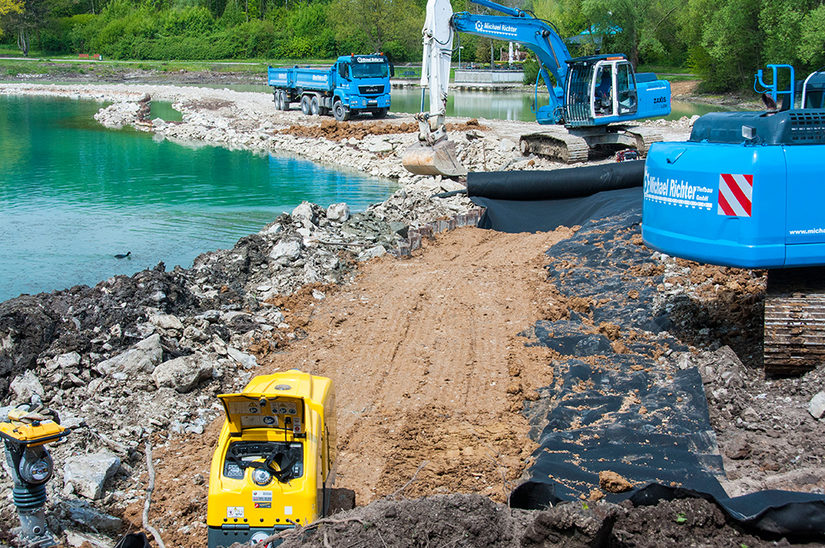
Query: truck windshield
(370, 70)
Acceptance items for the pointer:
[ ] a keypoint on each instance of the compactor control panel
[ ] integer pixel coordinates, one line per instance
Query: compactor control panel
(265, 412)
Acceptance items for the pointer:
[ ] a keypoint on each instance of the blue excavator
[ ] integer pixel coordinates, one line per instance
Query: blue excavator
(746, 190)
(592, 97)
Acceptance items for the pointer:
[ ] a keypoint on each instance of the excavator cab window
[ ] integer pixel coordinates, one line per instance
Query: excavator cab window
(626, 89)
(578, 94)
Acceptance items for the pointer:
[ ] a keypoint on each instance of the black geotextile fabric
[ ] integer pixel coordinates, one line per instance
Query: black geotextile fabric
(615, 405)
(545, 215)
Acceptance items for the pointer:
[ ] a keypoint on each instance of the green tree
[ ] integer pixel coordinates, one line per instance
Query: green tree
(811, 47)
(733, 41)
(29, 20)
(643, 24)
(566, 15)
(9, 6)
(378, 24)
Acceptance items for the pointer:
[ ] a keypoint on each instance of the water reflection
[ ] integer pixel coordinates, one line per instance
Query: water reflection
(511, 105)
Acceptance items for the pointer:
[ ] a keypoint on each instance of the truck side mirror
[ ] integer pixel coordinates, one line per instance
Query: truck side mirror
(342, 71)
(392, 70)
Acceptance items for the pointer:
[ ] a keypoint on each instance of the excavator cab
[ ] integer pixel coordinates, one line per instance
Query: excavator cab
(600, 89)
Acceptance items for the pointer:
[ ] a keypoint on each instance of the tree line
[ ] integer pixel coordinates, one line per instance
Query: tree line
(723, 41)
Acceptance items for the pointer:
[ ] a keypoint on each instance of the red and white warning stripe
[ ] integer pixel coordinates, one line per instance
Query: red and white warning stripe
(735, 194)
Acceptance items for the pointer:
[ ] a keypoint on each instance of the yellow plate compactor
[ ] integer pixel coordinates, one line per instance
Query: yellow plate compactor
(274, 465)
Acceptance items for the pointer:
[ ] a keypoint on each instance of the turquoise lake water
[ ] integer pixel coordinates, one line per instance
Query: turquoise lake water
(73, 194)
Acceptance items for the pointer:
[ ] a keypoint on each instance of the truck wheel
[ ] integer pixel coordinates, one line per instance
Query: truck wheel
(380, 113)
(281, 100)
(284, 100)
(276, 96)
(314, 106)
(305, 105)
(340, 111)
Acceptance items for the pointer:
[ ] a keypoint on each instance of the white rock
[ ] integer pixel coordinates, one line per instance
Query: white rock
(338, 212)
(166, 321)
(286, 250)
(77, 539)
(371, 253)
(143, 356)
(380, 147)
(86, 475)
(25, 386)
(318, 295)
(69, 359)
(817, 406)
(184, 373)
(248, 361)
(304, 212)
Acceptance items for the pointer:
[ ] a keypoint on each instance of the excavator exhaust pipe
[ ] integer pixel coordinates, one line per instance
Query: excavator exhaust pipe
(437, 159)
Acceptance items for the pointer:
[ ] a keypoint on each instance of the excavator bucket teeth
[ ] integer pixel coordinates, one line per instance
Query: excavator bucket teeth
(439, 159)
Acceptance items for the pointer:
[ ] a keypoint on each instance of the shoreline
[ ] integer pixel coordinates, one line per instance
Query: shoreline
(154, 348)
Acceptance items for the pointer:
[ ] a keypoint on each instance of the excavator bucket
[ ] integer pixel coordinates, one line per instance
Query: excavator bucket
(438, 159)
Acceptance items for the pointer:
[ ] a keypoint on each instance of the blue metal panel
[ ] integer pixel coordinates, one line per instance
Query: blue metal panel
(682, 215)
(654, 99)
(806, 194)
(314, 79)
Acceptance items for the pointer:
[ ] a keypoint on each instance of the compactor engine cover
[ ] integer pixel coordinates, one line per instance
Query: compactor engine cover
(272, 468)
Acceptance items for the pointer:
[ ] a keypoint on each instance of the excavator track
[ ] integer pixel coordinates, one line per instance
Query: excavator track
(794, 320)
(559, 146)
(645, 136)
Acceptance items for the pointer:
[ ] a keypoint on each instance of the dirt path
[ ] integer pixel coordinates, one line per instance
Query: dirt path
(429, 372)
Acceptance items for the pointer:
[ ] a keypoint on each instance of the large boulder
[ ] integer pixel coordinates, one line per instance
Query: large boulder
(142, 357)
(184, 373)
(86, 475)
(25, 386)
(338, 212)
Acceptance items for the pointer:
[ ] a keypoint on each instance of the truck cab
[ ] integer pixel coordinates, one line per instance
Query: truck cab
(363, 84)
(274, 464)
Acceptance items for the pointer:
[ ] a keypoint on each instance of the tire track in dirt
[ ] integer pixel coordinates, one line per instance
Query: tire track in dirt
(421, 352)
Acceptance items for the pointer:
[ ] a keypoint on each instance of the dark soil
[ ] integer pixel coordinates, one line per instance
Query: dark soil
(475, 521)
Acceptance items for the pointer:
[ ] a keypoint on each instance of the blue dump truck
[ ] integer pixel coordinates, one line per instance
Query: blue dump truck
(355, 84)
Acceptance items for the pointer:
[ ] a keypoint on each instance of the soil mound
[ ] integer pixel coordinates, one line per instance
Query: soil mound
(334, 130)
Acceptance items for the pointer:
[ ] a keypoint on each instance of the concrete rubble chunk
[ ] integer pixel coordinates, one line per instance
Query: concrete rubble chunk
(817, 406)
(381, 147)
(142, 357)
(286, 250)
(166, 321)
(248, 361)
(80, 511)
(25, 386)
(69, 359)
(183, 373)
(338, 212)
(304, 211)
(77, 539)
(86, 475)
(371, 253)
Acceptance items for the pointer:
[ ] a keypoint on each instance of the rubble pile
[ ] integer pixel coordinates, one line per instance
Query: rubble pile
(152, 350)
